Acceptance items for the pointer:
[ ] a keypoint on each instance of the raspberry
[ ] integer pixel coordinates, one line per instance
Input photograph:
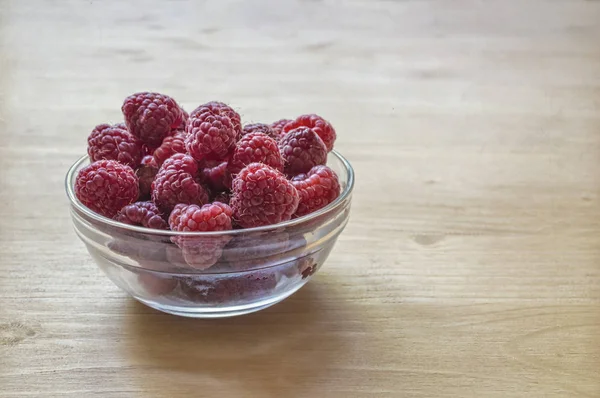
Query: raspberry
(181, 162)
(193, 218)
(175, 183)
(106, 186)
(112, 143)
(278, 127)
(210, 136)
(201, 252)
(262, 196)
(151, 116)
(146, 173)
(171, 145)
(144, 214)
(215, 175)
(302, 149)
(320, 126)
(317, 189)
(221, 108)
(255, 148)
(260, 128)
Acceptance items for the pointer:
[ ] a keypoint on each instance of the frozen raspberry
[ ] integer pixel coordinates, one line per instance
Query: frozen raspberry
(146, 173)
(302, 149)
(112, 143)
(106, 186)
(221, 108)
(262, 196)
(151, 116)
(144, 214)
(216, 175)
(210, 136)
(278, 127)
(176, 183)
(181, 162)
(201, 252)
(260, 128)
(255, 148)
(172, 144)
(320, 126)
(222, 197)
(317, 189)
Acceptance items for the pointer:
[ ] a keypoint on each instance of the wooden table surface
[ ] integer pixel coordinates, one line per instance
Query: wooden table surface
(470, 266)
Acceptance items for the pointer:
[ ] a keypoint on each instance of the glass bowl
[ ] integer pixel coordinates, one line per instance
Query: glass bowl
(213, 274)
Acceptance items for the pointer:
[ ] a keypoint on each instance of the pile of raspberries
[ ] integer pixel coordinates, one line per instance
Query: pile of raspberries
(204, 171)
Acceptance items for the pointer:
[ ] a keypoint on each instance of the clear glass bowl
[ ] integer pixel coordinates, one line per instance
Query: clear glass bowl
(213, 274)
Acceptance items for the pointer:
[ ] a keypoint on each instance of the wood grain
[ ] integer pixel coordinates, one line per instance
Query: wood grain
(471, 264)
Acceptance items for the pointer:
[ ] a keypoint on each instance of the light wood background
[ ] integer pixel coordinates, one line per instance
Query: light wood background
(471, 264)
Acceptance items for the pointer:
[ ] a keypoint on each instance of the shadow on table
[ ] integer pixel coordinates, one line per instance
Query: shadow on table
(276, 352)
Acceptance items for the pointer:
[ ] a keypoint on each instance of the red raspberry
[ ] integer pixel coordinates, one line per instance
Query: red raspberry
(210, 136)
(172, 144)
(193, 218)
(317, 189)
(106, 186)
(255, 148)
(320, 126)
(112, 143)
(144, 214)
(278, 127)
(181, 162)
(302, 149)
(260, 128)
(201, 252)
(221, 108)
(146, 173)
(151, 116)
(262, 196)
(175, 183)
(216, 175)
(121, 126)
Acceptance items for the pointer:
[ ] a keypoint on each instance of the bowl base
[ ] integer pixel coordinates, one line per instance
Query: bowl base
(218, 312)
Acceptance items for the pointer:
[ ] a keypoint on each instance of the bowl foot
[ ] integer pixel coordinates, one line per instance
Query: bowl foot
(222, 311)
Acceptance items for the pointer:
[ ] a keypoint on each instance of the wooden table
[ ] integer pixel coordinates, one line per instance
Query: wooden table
(471, 264)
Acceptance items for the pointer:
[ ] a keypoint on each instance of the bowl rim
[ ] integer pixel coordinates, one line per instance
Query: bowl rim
(266, 228)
